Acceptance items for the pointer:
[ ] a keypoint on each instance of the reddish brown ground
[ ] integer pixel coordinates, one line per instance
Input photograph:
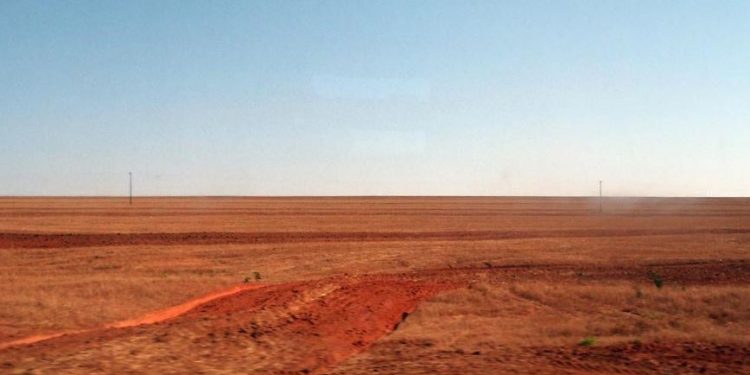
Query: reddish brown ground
(375, 285)
(292, 327)
(151, 318)
(60, 241)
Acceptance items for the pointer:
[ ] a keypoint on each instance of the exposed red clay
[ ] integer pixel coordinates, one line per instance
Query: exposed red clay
(714, 272)
(502, 322)
(162, 315)
(151, 318)
(311, 327)
(328, 320)
(38, 338)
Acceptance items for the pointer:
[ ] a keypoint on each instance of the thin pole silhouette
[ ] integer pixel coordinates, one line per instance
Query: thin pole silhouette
(130, 200)
(600, 196)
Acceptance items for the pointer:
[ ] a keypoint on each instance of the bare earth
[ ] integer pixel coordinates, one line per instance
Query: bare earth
(398, 285)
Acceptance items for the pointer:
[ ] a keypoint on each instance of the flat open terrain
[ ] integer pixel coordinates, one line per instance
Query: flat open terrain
(410, 285)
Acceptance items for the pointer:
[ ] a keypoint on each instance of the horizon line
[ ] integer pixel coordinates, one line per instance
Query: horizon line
(368, 196)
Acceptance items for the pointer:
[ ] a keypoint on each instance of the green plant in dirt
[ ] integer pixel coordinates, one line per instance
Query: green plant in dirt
(658, 281)
(256, 277)
(587, 341)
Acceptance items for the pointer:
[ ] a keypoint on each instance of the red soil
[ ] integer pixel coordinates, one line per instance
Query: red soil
(311, 326)
(327, 320)
(331, 319)
(315, 325)
(627, 358)
(151, 318)
(68, 240)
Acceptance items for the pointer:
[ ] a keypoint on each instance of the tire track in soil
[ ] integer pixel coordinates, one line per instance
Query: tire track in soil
(297, 327)
(684, 273)
(302, 327)
(150, 318)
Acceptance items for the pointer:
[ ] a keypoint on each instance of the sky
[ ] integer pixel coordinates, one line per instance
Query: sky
(375, 97)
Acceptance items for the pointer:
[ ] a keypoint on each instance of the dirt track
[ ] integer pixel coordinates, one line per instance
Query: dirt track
(327, 320)
(151, 318)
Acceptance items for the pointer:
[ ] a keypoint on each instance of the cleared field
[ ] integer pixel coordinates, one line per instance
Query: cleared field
(393, 285)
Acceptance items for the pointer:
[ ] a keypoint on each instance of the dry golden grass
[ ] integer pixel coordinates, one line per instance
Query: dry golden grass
(548, 314)
(462, 330)
(46, 290)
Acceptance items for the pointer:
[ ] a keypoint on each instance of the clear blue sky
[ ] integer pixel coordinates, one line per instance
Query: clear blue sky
(375, 97)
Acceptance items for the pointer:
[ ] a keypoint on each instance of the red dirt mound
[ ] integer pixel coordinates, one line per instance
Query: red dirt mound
(314, 326)
(289, 328)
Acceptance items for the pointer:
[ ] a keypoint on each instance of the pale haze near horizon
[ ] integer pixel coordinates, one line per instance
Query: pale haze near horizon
(375, 98)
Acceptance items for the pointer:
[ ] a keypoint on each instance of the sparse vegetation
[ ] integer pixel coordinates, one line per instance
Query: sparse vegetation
(587, 341)
(656, 279)
(255, 277)
(522, 296)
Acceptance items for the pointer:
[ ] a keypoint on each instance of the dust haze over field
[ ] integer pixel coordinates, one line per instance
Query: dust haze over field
(362, 285)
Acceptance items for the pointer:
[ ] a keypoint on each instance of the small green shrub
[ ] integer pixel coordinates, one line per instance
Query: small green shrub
(256, 277)
(587, 341)
(658, 281)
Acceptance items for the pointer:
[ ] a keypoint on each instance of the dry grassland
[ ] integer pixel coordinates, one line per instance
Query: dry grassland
(547, 274)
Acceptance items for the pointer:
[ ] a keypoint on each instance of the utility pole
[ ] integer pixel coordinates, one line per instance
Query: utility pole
(600, 196)
(130, 200)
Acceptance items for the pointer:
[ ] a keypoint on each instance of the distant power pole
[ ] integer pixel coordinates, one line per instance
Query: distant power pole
(600, 196)
(130, 200)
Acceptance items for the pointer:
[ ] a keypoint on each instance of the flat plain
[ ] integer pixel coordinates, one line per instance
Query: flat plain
(395, 285)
